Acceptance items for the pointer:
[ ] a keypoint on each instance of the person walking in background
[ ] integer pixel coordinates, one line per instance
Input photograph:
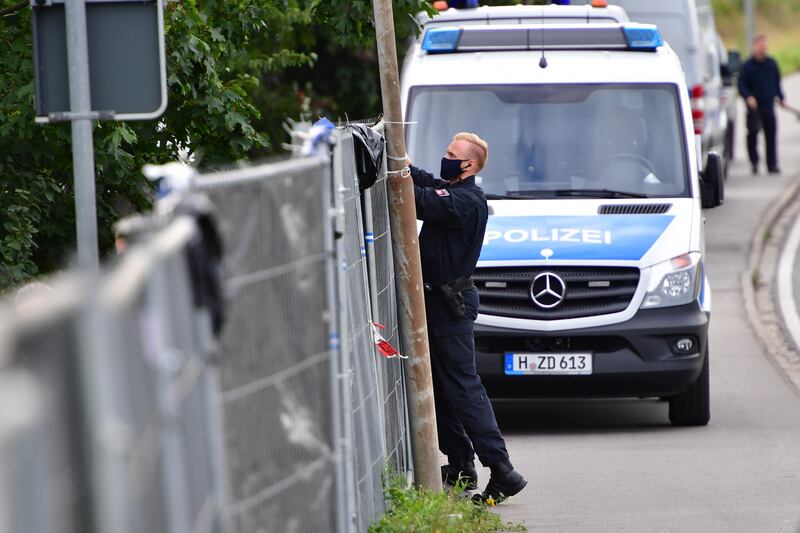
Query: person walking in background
(760, 85)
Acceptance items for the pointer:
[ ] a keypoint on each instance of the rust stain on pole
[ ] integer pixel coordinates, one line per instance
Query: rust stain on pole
(408, 269)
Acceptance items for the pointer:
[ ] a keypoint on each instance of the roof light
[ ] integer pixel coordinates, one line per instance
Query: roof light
(463, 4)
(441, 39)
(440, 5)
(642, 36)
(599, 3)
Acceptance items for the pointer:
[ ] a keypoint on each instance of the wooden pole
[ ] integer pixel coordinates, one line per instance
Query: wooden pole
(408, 270)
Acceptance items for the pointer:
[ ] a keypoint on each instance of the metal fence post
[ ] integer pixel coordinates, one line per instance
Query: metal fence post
(109, 438)
(213, 408)
(168, 364)
(332, 280)
(345, 368)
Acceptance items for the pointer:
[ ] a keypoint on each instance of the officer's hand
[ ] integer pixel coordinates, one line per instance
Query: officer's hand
(751, 103)
(782, 102)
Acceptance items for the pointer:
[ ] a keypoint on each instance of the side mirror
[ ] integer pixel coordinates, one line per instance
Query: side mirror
(731, 69)
(734, 62)
(712, 182)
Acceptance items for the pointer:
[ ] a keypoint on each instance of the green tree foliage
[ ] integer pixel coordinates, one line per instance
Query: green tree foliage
(237, 69)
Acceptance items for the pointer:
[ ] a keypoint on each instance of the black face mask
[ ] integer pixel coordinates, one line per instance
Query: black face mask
(451, 168)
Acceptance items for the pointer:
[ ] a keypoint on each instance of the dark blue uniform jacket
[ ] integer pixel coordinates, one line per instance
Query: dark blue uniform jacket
(762, 80)
(454, 221)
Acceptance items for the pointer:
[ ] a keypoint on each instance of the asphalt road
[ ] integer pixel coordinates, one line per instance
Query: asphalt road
(617, 465)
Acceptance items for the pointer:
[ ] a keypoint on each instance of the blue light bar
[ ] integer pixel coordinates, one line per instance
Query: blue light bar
(642, 36)
(463, 4)
(441, 40)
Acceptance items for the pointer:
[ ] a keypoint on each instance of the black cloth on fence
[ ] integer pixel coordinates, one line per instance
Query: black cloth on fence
(205, 254)
(368, 145)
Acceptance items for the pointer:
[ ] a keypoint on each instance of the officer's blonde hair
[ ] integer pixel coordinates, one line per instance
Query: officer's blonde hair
(482, 147)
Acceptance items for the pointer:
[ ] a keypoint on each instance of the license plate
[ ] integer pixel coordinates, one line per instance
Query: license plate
(548, 363)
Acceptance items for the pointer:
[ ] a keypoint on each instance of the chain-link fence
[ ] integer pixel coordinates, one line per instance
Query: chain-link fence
(121, 412)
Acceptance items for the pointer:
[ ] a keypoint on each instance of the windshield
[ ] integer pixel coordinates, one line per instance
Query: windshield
(577, 140)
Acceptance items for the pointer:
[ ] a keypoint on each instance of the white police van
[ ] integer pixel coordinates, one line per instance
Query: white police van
(591, 276)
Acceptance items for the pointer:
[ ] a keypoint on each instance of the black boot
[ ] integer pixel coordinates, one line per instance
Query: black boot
(452, 472)
(504, 483)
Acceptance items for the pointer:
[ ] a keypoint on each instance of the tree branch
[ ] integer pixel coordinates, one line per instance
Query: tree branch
(13, 9)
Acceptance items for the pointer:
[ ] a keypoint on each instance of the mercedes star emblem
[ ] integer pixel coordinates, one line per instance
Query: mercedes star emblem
(548, 290)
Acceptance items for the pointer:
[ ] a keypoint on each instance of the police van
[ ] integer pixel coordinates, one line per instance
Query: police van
(591, 277)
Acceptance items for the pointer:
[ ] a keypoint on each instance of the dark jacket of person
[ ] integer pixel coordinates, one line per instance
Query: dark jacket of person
(454, 222)
(761, 79)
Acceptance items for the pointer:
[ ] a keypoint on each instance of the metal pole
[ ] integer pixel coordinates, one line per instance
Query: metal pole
(410, 298)
(750, 23)
(345, 379)
(332, 280)
(82, 146)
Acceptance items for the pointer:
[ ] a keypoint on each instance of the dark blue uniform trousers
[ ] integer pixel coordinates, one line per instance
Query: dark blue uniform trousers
(465, 419)
(764, 117)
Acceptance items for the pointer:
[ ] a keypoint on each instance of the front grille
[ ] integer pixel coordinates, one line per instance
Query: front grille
(590, 291)
(633, 209)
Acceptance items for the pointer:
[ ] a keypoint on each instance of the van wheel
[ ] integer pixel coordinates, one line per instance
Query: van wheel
(693, 407)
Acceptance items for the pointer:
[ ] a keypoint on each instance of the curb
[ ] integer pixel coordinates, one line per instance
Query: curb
(774, 344)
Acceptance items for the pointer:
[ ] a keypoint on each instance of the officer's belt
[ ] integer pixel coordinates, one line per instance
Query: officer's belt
(457, 285)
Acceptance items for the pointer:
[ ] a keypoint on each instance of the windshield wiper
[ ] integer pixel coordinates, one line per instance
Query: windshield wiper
(598, 193)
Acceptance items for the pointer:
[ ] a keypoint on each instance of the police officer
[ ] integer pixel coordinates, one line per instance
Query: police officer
(760, 85)
(454, 213)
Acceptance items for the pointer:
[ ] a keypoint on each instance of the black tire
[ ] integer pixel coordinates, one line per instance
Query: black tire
(693, 407)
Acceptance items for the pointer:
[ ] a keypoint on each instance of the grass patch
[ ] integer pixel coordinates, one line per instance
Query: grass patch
(788, 58)
(422, 511)
(776, 18)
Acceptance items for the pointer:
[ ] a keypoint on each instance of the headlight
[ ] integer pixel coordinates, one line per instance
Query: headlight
(674, 282)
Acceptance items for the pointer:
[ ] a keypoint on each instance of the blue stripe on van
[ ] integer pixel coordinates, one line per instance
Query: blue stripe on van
(618, 237)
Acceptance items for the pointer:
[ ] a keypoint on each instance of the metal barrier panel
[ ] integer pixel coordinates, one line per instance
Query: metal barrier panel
(121, 429)
(367, 424)
(106, 387)
(146, 367)
(276, 355)
(43, 484)
(384, 311)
